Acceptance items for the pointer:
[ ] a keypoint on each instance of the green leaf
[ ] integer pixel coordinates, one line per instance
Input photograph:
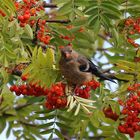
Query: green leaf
(2, 124)
(91, 10)
(50, 137)
(62, 125)
(35, 99)
(94, 119)
(79, 12)
(46, 125)
(65, 9)
(28, 31)
(8, 130)
(110, 9)
(125, 77)
(48, 131)
(137, 136)
(58, 133)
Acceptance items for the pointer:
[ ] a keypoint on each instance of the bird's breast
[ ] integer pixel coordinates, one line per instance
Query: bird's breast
(73, 75)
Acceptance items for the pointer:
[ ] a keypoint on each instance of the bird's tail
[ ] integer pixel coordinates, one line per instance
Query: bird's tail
(105, 77)
(95, 70)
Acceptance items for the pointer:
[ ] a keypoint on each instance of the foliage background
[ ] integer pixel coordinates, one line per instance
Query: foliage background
(102, 21)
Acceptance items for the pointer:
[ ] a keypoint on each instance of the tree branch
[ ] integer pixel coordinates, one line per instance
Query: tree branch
(49, 5)
(58, 21)
(22, 106)
(104, 38)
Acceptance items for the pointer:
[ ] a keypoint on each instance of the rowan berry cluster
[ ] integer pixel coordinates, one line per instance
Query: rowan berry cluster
(28, 89)
(70, 37)
(132, 26)
(131, 110)
(43, 33)
(84, 90)
(110, 114)
(26, 9)
(55, 95)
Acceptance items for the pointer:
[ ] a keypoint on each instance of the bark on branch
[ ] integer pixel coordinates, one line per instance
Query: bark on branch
(58, 21)
(49, 5)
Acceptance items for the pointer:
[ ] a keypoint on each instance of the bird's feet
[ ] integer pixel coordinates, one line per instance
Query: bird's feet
(69, 90)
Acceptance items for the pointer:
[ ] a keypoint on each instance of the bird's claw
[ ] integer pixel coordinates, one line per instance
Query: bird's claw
(69, 90)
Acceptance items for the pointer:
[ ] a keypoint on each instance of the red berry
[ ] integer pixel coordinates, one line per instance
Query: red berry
(26, 16)
(24, 77)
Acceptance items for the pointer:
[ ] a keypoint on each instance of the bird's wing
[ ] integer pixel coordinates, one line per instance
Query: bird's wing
(83, 63)
(86, 65)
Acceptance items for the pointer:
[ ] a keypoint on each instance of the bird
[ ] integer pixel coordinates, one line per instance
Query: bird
(77, 68)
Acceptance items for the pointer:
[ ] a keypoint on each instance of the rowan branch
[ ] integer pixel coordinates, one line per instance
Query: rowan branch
(22, 106)
(49, 5)
(104, 38)
(58, 21)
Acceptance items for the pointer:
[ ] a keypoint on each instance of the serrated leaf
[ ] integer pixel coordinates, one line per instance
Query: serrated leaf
(137, 136)
(46, 125)
(94, 119)
(58, 133)
(124, 76)
(62, 125)
(65, 9)
(8, 130)
(50, 137)
(2, 124)
(48, 131)
(28, 31)
(78, 12)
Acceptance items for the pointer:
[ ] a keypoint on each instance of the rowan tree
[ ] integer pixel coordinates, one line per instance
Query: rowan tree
(34, 98)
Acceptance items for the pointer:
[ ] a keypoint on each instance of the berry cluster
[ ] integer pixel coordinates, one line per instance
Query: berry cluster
(29, 90)
(131, 109)
(2, 13)
(70, 37)
(42, 34)
(134, 89)
(26, 9)
(110, 114)
(84, 90)
(132, 26)
(56, 97)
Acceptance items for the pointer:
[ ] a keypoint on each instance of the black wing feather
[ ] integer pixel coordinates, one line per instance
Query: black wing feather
(94, 70)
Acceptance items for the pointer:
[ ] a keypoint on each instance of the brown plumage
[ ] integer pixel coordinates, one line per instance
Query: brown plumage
(76, 68)
(69, 66)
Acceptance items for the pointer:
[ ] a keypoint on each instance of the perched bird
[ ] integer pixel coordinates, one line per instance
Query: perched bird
(78, 69)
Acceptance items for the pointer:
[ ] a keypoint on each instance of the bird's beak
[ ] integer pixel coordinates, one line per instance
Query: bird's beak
(67, 55)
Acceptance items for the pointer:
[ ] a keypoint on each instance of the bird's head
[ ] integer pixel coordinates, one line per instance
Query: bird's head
(66, 52)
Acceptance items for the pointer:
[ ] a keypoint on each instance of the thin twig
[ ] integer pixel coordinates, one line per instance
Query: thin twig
(104, 38)
(22, 106)
(49, 5)
(58, 21)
